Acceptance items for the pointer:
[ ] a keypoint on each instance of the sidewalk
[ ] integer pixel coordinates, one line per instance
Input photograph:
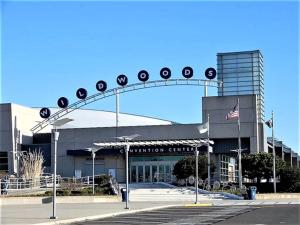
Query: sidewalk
(75, 212)
(71, 212)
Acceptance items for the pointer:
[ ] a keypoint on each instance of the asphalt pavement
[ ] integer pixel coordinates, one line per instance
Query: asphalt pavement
(219, 215)
(165, 212)
(175, 215)
(268, 215)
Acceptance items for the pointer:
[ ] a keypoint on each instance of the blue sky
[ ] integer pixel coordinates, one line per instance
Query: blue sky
(51, 48)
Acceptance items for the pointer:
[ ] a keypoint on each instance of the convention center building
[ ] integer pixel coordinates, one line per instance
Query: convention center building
(242, 79)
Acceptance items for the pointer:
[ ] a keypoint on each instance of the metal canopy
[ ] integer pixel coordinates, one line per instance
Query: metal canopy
(61, 122)
(150, 143)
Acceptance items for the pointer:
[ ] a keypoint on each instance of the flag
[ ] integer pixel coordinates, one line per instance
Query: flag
(234, 113)
(203, 128)
(269, 123)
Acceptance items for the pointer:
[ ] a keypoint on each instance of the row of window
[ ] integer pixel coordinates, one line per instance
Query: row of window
(238, 62)
(239, 56)
(256, 84)
(239, 65)
(251, 85)
(256, 75)
(241, 89)
(240, 70)
(240, 74)
(230, 93)
(239, 59)
(243, 81)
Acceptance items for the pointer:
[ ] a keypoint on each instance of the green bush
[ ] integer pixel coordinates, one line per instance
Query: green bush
(102, 181)
(186, 167)
(48, 193)
(290, 180)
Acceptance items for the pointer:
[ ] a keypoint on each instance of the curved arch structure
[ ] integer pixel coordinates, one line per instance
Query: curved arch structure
(128, 88)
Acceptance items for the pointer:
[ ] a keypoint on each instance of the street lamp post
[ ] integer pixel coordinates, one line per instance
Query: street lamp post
(126, 139)
(204, 128)
(208, 154)
(196, 146)
(274, 155)
(127, 186)
(93, 152)
(197, 176)
(239, 151)
(56, 124)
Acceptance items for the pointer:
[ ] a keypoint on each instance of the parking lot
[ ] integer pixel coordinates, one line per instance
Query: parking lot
(176, 215)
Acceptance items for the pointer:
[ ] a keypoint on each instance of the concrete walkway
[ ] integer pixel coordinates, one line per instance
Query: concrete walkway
(74, 212)
(71, 212)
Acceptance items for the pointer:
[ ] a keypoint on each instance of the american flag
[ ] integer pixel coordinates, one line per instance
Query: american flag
(234, 113)
(269, 123)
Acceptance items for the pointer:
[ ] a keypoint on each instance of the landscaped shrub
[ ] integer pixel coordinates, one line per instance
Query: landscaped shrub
(290, 180)
(102, 180)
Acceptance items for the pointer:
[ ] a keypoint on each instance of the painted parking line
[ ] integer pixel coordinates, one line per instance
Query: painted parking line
(199, 205)
(176, 215)
(108, 222)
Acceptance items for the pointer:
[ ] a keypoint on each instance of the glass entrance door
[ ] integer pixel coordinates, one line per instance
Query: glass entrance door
(147, 174)
(161, 169)
(133, 174)
(140, 174)
(151, 171)
(154, 173)
(167, 174)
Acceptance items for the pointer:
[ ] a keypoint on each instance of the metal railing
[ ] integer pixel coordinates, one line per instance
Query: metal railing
(15, 184)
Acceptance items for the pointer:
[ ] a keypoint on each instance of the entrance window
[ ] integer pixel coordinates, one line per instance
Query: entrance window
(228, 169)
(133, 174)
(161, 173)
(140, 173)
(154, 173)
(167, 173)
(147, 174)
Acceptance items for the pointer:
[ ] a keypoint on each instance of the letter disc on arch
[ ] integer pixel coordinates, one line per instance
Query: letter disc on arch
(165, 73)
(210, 73)
(101, 85)
(122, 80)
(187, 72)
(63, 102)
(45, 113)
(143, 75)
(81, 93)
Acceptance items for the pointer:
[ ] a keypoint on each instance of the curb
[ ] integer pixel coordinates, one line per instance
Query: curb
(86, 218)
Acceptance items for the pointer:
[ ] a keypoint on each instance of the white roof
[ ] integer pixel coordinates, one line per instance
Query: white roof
(87, 118)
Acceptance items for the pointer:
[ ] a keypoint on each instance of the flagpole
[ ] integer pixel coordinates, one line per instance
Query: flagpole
(208, 154)
(240, 148)
(274, 154)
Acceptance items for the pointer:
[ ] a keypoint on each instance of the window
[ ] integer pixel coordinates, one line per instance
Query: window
(233, 79)
(3, 161)
(245, 79)
(227, 171)
(245, 88)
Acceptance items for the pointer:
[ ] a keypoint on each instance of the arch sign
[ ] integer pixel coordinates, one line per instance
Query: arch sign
(122, 81)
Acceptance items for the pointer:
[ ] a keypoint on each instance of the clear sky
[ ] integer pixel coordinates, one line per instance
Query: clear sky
(51, 48)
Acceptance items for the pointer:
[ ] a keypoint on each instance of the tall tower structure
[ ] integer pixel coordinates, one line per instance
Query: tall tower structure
(242, 74)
